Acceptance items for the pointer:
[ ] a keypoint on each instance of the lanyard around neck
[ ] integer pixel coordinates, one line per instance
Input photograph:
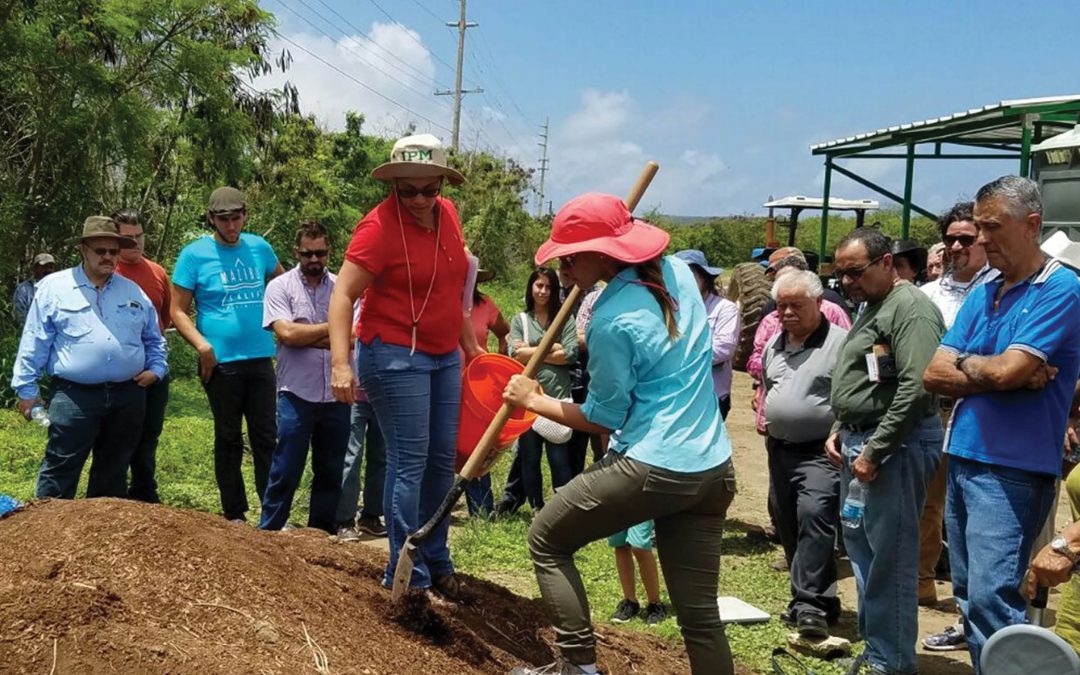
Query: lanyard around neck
(408, 274)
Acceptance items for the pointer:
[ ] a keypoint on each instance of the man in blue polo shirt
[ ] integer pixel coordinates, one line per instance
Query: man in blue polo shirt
(1011, 358)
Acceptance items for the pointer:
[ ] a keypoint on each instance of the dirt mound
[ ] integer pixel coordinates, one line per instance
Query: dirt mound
(107, 585)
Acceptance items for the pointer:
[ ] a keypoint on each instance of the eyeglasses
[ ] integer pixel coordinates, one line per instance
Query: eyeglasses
(409, 192)
(964, 240)
(566, 261)
(112, 252)
(856, 272)
(317, 253)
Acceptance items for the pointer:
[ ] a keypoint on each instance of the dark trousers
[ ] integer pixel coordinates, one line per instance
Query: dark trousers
(105, 419)
(807, 490)
(143, 484)
(238, 391)
(323, 426)
(525, 482)
(725, 406)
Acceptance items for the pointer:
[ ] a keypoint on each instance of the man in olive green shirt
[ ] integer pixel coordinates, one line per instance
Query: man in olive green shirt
(888, 436)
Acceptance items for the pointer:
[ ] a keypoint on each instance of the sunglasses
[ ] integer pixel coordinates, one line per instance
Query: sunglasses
(317, 253)
(112, 252)
(566, 261)
(854, 273)
(964, 240)
(408, 192)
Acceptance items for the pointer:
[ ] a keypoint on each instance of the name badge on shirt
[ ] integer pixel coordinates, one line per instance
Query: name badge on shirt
(881, 364)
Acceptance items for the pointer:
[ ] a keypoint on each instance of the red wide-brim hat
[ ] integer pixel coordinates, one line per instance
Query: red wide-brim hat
(601, 223)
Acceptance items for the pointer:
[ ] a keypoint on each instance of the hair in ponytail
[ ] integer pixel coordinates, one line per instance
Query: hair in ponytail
(652, 277)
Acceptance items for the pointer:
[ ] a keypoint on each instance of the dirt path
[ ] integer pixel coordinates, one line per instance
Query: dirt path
(753, 474)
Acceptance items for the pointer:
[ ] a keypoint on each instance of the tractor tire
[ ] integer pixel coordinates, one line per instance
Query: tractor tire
(749, 289)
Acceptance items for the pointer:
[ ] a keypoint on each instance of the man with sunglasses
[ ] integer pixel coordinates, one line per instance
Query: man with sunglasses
(965, 268)
(96, 333)
(295, 310)
(887, 436)
(225, 274)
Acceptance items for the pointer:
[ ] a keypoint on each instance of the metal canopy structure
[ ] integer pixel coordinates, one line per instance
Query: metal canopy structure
(799, 203)
(1004, 130)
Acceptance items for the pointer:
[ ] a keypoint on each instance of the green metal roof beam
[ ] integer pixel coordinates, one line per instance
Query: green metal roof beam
(931, 155)
(903, 137)
(880, 190)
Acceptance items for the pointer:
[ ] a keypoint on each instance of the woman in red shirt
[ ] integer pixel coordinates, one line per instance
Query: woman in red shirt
(407, 259)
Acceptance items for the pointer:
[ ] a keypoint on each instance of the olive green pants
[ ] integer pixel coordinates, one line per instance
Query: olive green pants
(611, 495)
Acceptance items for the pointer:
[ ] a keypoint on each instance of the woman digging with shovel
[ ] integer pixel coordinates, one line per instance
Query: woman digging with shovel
(670, 456)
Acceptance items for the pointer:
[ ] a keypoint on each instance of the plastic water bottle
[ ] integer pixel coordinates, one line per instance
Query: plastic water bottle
(8, 504)
(852, 512)
(38, 414)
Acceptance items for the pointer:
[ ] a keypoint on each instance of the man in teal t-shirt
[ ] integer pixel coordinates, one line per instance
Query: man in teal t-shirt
(226, 274)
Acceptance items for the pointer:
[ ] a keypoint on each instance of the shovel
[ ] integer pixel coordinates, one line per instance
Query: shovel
(483, 457)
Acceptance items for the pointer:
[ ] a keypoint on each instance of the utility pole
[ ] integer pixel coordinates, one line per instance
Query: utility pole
(543, 169)
(461, 24)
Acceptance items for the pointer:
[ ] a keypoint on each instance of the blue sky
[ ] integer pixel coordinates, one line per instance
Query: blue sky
(726, 96)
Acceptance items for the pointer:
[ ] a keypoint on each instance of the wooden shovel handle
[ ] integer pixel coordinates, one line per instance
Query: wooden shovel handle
(477, 460)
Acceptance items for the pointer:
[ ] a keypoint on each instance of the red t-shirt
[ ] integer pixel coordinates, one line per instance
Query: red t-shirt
(153, 280)
(377, 247)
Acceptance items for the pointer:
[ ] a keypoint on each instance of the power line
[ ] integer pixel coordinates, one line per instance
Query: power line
(409, 33)
(425, 8)
(485, 52)
(353, 26)
(362, 84)
(349, 48)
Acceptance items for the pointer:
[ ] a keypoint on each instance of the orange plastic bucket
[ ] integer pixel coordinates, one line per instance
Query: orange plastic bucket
(482, 387)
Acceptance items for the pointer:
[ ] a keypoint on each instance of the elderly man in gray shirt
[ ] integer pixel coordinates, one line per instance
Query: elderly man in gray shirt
(797, 365)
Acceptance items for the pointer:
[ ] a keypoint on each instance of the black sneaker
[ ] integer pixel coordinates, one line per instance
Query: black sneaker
(371, 525)
(626, 610)
(655, 612)
(789, 617)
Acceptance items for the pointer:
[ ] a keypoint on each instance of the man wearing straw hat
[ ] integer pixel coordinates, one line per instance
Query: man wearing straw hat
(96, 333)
(410, 253)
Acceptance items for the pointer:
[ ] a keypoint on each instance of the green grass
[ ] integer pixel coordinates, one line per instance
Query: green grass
(492, 550)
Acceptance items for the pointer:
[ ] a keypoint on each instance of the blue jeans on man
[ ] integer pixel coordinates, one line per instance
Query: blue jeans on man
(323, 426)
(884, 549)
(365, 441)
(143, 486)
(417, 398)
(992, 516)
(105, 419)
(525, 481)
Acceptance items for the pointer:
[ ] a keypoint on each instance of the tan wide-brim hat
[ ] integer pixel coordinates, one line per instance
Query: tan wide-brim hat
(103, 227)
(419, 156)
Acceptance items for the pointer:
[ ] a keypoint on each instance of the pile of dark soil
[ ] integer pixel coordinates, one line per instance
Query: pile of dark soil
(107, 585)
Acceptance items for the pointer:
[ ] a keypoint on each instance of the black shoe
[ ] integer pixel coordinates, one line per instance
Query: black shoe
(813, 626)
(789, 617)
(371, 525)
(506, 507)
(655, 612)
(626, 610)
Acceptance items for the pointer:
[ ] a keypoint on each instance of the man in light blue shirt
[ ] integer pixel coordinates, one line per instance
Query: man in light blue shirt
(96, 333)
(44, 265)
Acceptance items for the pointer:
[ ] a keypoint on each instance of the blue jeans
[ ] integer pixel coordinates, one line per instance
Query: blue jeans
(478, 495)
(992, 516)
(365, 440)
(416, 399)
(143, 485)
(526, 481)
(105, 419)
(884, 550)
(325, 426)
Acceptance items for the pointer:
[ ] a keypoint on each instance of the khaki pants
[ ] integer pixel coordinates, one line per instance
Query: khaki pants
(612, 495)
(931, 525)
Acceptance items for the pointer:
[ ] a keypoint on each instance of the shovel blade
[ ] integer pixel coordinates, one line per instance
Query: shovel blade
(403, 571)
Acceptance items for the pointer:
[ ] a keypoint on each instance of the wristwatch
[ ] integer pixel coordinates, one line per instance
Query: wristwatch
(1061, 547)
(959, 362)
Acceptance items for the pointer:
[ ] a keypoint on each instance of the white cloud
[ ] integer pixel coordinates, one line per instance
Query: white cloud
(393, 63)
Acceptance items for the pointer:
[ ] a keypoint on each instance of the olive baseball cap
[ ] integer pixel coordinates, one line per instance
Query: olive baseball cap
(103, 227)
(226, 200)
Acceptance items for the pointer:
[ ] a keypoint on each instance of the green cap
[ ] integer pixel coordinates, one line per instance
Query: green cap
(225, 200)
(103, 227)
